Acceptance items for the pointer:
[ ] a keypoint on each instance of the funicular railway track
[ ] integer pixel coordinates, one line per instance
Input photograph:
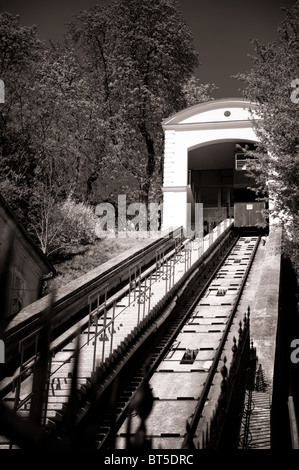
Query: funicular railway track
(182, 386)
(124, 375)
(154, 349)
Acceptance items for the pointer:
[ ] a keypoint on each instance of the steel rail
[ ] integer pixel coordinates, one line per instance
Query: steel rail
(71, 300)
(164, 343)
(204, 394)
(148, 334)
(75, 329)
(158, 323)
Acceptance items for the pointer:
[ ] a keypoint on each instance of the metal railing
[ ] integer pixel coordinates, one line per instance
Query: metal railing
(222, 432)
(139, 290)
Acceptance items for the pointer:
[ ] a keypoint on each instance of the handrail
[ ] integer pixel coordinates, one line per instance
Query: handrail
(184, 245)
(111, 300)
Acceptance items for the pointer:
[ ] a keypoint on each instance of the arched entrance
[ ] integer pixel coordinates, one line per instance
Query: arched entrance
(201, 161)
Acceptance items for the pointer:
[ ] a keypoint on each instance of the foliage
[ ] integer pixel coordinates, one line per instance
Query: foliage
(19, 54)
(83, 118)
(79, 221)
(61, 225)
(138, 57)
(270, 85)
(196, 92)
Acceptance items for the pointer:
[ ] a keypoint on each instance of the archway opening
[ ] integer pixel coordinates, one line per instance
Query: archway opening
(217, 178)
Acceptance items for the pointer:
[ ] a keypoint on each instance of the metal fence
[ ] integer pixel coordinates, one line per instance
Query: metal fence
(222, 432)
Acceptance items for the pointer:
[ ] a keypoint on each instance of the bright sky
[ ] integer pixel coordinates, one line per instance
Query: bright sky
(222, 30)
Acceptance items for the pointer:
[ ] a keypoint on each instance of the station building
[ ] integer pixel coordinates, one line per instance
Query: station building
(204, 162)
(28, 265)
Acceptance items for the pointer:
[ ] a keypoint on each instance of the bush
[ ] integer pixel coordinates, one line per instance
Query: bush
(69, 224)
(78, 222)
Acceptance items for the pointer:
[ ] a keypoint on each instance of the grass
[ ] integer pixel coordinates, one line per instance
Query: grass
(81, 259)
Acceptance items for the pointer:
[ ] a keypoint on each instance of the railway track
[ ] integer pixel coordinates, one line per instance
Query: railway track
(157, 346)
(186, 359)
(149, 347)
(73, 302)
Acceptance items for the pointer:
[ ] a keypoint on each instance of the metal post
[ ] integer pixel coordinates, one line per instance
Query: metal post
(138, 310)
(144, 298)
(170, 274)
(173, 271)
(95, 342)
(135, 282)
(144, 301)
(104, 339)
(89, 319)
(167, 276)
(149, 298)
(162, 262)
(18, 384)
(47, 389)
(112, 325)
(130, 281)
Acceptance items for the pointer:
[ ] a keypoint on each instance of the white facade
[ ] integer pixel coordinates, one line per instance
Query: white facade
(203, 124)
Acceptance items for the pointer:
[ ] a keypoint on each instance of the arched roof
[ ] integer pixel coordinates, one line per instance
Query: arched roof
(226, 110)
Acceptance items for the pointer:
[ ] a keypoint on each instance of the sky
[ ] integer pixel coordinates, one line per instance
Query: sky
(222, 30)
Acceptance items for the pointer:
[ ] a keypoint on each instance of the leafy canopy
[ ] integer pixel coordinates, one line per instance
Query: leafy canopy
(271, 84)
(82, 119)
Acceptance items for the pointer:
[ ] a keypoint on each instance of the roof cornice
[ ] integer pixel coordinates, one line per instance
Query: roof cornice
(199, 108)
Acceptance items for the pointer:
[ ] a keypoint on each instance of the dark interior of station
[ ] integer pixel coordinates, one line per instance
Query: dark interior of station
(217, 178)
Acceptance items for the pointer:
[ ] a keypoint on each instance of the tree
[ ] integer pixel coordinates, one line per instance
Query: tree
(83, 118)
(58, 226)
(46, 128)
(139, 57)
(271, 84)
(67, 131)
(20, 51)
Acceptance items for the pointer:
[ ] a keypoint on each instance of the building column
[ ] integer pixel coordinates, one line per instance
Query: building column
(174, 212)
(175, 189)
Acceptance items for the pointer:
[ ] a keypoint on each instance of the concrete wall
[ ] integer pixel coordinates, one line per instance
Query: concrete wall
(27, 266)
(264, 317)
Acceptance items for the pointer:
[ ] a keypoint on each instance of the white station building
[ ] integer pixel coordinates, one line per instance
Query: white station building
(204, 163)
